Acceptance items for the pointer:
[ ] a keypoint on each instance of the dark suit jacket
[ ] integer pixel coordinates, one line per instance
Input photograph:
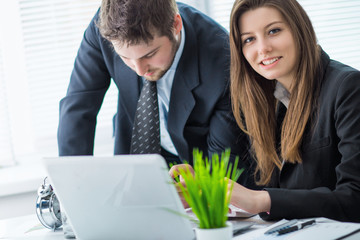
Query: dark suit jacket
(199, 112)
(327, 183)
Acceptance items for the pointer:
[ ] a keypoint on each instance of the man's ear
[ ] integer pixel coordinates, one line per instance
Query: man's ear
(177, 23)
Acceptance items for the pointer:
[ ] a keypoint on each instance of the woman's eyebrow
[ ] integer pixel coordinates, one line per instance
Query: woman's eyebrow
(267, 26)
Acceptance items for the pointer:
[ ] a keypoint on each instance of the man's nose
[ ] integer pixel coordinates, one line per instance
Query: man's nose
(140, 67)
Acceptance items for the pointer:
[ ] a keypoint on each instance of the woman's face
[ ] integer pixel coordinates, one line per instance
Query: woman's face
(268, 44)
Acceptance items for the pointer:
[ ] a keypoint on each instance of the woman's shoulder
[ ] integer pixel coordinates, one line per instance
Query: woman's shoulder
(338, 75)
(339, 69)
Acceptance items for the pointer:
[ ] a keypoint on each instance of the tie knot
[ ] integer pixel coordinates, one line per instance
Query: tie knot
(149, 89)
(150, 83)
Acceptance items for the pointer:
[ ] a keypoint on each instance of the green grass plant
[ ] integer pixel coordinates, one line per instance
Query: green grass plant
(207, 191)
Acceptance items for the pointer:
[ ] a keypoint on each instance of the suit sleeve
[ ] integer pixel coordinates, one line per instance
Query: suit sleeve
(79, 108)
(224, 133)
(342, 202)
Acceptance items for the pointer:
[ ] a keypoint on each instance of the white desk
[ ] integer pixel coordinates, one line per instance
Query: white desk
(29, 228)
(26, 227)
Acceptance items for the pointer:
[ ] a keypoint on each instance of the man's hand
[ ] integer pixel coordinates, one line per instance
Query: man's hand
(174, 173)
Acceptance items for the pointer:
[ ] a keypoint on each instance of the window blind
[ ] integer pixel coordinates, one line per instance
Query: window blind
(52, 31)
(337, 25)
(220, 11)
(6, 151)
(198, 4)
(46, 36)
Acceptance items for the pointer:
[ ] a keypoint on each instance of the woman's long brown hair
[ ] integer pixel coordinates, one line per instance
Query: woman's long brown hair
(253, 101)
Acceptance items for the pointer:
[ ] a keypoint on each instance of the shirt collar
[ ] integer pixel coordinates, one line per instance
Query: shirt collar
(282, 94)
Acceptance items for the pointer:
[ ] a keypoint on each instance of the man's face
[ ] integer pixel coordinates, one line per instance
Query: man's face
(150, 60)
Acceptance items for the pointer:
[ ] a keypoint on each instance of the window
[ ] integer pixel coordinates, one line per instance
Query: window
(220, 10)
(38, 44)
(337, 25)
(5, 139)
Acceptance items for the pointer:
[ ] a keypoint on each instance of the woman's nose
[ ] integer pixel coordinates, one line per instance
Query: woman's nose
(264, 46)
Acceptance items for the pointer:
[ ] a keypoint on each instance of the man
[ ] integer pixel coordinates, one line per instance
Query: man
(184, 51)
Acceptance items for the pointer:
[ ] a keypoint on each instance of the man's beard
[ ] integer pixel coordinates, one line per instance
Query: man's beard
(159, 73)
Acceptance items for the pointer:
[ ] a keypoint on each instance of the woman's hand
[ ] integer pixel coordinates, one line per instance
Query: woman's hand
(174, 173)
(252, 201)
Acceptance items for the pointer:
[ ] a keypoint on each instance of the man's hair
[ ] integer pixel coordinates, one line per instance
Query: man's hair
(134, 21)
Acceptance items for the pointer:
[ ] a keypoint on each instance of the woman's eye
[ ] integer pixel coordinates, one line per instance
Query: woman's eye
(273, 31)
(247, 40)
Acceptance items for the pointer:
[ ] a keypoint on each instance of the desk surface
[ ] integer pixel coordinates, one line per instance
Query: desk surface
(29, 227)
(26, 227)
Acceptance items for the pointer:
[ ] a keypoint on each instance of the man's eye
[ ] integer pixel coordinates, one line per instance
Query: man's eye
(150, 55)
(275, 30)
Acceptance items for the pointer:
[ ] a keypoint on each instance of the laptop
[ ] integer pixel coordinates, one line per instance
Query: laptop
(119, 197)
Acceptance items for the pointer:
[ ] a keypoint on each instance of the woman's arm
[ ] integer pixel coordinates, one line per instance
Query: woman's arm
(252, 201)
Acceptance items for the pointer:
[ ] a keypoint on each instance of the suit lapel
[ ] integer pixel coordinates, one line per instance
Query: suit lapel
(129, 88)
(182, 100)
(182, 103)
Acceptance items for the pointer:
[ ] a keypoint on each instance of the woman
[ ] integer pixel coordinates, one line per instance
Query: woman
(301, 111)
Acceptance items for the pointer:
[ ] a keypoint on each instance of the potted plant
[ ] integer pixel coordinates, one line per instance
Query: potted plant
(208, 193)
